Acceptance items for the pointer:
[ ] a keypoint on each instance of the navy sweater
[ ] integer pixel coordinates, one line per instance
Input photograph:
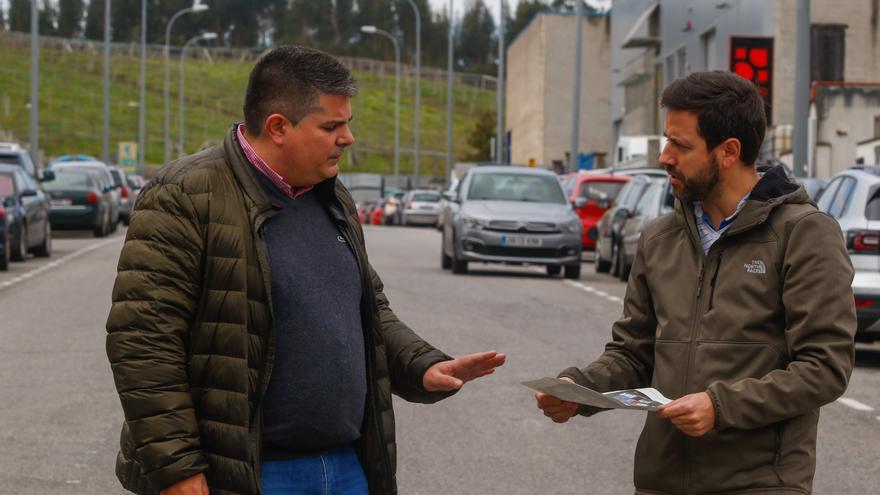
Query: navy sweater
(317, 391)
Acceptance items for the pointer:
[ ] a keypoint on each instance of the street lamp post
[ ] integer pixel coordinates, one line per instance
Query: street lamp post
(573, 156)
(499, 138)
(375, 30)
(35, 85)
(416, 155)
(449, 99)
(197, 7)
(191, 41)
(142, 115)
(105, 137)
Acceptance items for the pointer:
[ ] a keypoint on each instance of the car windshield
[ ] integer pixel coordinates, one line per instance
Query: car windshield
(599, 190)
(117, 177)
(426, 197)
(7, 187)
(516, 187)
(69, 180)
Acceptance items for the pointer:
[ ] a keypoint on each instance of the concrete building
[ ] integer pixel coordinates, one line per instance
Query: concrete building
(540, 78)
(683, 36)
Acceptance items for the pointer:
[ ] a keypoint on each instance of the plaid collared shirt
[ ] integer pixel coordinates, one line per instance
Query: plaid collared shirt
(259, 164)
(708, 233)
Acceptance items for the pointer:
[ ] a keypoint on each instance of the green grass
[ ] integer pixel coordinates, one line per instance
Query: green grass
(71, 92)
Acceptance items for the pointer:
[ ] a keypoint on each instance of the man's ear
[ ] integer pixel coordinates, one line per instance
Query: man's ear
(730, 151)
(275, 127)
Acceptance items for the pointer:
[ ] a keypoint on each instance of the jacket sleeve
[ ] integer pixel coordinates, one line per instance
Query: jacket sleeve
(155, 298)
(408, 355)
(820, 326)
(628, 360)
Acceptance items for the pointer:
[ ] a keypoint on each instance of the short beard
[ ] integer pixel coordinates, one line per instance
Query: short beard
(700, 186)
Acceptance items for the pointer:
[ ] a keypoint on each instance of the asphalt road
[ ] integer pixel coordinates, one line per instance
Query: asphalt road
(60, 416)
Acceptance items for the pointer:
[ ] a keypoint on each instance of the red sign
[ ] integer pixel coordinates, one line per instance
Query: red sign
(752, 59)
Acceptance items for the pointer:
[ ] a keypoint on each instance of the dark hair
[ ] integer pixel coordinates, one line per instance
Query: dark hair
(727, 106)
(288, 80)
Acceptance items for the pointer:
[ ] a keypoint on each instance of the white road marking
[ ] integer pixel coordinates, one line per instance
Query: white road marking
(593, 290)
(854, 404)
(37, 271)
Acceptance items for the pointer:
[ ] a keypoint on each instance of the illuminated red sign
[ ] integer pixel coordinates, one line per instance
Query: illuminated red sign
(752, 59)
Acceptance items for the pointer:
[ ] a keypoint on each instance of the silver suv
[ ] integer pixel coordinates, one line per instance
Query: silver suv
(852, 197)
(513, 215)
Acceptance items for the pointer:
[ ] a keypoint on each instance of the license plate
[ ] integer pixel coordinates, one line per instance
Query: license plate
(62, 202)
(520, 240)
(426, 207)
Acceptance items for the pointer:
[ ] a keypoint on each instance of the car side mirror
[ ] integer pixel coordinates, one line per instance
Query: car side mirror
(48, 176)
(8, 202)
(28, 193)
(107, 189)
(580, 202)
(622, 213)
(450, 196)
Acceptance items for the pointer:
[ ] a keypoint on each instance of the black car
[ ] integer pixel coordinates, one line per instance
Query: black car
(26, 208)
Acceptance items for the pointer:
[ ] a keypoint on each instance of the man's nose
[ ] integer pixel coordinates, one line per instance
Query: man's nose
(346, 138)
(665, 157)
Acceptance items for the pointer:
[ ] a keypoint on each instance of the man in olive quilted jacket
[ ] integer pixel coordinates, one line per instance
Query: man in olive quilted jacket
(252, 345)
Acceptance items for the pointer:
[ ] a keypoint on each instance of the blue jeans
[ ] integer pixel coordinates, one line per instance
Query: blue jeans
(337, 472)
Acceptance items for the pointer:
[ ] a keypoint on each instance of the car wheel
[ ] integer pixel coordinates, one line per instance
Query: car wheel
(458, 266)
(19, 249)
(621, 264)
(103, 229)
(601, 266)
(554, 270)
(573, 272)
(4, 256)
(445, 261)
(614, 269)
(44, 250)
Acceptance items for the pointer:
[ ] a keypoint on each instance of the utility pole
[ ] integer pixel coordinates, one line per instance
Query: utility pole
(416, 155)
(801, 87)
(576, 91)
(499, 138)
(35, 85)
(105, 141)
(142, 111)
(449, 55)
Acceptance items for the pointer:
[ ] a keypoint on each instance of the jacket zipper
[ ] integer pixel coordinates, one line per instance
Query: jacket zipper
(369, 342)
(714, 280)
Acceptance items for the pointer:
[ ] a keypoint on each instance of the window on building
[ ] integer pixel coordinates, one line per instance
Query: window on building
(827, 51)
(708, 42)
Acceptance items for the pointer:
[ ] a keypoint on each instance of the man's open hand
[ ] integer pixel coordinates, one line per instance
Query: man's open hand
(195, 485)
(554, 408)
(693, 414)
(451, 375)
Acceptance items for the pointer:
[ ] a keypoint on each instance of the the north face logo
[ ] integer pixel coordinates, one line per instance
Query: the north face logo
(756, 266)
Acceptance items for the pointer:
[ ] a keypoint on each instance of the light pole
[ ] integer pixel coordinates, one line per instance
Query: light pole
(142, 115)
(573, 161)
(418, 89)
(449, 100)
(499, 138)
(197, 7)
(105, 139)
(35, 85)
(191, 41)
(375, 30)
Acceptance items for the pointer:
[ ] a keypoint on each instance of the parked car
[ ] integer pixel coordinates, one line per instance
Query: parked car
(852, 197)
(26, 210)
(126, 201)
(13, 154)
(106, 183)
(607, 232)
(814, 187)
(513, 215)
(419, 207)
(656, 201)
(4, 242)
(591, 195)
(80, 200)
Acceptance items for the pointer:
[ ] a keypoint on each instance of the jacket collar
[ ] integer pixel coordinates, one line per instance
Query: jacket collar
(772, 190)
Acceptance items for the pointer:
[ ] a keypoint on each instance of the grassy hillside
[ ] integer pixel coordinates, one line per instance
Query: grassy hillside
(71, 93)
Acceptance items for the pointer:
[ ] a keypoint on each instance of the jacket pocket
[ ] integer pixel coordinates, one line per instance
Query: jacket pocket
(731, 361)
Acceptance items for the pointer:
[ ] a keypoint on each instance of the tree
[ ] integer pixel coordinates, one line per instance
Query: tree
(95, 20)
(475, 47)
(70, 14)
(20, 15)
(526, 10)
(48, 18)
(480, 137)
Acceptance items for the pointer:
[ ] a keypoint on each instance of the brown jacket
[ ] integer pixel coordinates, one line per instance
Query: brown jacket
(764, 323)
(190, 335)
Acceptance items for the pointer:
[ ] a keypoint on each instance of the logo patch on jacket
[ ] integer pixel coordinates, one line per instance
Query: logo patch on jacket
(340, 239)
(756, 266)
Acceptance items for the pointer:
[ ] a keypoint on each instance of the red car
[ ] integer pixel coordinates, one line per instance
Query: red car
(590, 195)
(378, 214)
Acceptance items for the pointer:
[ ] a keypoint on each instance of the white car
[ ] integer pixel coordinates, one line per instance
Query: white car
(852, 197)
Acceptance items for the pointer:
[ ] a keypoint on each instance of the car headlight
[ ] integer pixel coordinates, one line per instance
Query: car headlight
(473, 222)
(573, 226)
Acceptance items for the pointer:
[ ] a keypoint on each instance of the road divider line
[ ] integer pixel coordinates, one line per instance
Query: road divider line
(54, 264)
(854, 404)
(592, 290)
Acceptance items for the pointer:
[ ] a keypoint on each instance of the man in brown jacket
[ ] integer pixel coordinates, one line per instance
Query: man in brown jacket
(252, 345)
(738, 306)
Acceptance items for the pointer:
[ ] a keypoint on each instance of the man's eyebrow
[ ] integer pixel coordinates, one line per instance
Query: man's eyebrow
(338, 121)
